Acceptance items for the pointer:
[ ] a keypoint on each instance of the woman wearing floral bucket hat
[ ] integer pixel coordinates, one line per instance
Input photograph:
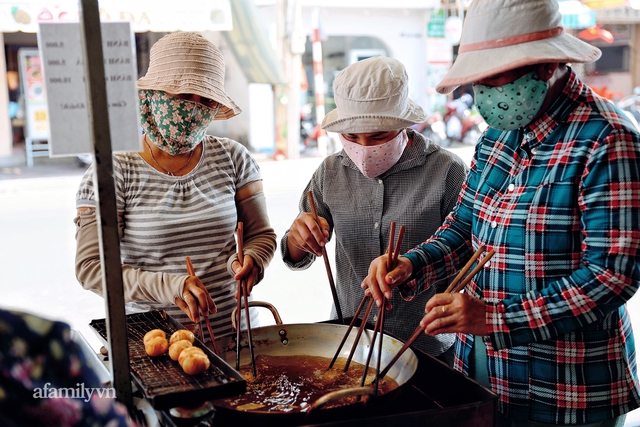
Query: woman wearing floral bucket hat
(554, 190)
(182, 195)
(385, 173)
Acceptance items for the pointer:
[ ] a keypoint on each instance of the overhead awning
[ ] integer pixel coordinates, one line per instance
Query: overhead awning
(238, 19)
(249, 42)
(144, 15)
(576, 15)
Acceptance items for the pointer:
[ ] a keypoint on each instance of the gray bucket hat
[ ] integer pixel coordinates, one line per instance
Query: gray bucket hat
(502, 35)
(372, 95)
(189, 63)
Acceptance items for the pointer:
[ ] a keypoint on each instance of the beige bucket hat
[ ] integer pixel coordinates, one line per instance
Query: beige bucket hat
(501, 35)
(189, 63)
(372, 95)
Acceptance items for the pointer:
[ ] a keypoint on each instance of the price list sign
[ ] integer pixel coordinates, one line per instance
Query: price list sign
(64, 81)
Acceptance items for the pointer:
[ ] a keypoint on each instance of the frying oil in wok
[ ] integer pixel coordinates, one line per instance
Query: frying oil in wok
(293, 383)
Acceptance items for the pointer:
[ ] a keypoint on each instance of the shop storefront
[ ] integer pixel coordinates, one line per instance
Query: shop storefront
(232, 25)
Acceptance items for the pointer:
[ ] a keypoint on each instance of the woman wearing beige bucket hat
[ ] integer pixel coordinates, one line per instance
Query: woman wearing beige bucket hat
(183, 195)
(554, 190)
(386, 172)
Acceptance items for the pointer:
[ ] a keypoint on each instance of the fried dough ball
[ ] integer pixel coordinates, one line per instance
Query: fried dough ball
(189, 350)
(176, 348)
(154, 333)
(156, 346)
(195, 363)
(182, 334)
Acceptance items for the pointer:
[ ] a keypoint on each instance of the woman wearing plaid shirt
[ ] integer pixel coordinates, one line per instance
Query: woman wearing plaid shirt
(554, 190)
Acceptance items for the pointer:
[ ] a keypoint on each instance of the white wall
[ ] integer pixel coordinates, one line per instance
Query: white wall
(261, 118)
(235, 85)
(6, 137)
(402, 30)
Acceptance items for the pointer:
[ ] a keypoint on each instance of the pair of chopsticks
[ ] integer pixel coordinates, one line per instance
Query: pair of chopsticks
(243, 293)
(192, 272)
(394, 251)
(334, 293)
(346, 335)
(457, 284)
(392, 257)
(392, 260)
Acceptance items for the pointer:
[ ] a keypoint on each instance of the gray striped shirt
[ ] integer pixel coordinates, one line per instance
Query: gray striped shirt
(167, 218)
(418, 192)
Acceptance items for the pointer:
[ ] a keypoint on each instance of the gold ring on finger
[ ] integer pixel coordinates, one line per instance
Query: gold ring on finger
(444, 311)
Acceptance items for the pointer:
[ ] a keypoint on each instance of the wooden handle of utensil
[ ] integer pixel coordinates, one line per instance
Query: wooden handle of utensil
(474, 271)
(325, 257)
(464, 270)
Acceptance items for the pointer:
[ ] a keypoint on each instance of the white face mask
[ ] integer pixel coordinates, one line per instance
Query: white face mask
(374, 160)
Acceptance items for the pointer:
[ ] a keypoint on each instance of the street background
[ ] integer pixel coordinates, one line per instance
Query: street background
(37, 248)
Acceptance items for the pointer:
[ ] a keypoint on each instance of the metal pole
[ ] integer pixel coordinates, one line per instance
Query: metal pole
(318, 82)
(107, 216)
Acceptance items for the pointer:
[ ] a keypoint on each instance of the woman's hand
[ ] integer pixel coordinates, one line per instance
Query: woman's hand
(379, 281)
(247, 271)
(306, 236)
(447, 313)
(194, 296)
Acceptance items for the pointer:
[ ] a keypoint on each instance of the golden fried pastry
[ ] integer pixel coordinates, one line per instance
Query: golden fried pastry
(156, 346)
(154, 333)
(182, 334)
(189, 350)
(176, 348)
(195, 363)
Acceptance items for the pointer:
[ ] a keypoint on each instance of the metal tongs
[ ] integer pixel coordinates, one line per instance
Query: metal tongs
(392, 257)
(243, 293)
(214, 346)
(457, 284)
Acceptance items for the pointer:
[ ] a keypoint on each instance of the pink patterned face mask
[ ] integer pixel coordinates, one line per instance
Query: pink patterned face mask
(374, 160)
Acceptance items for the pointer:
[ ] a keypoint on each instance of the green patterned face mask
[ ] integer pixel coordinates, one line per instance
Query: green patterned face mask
(513, 105)
(175, 125)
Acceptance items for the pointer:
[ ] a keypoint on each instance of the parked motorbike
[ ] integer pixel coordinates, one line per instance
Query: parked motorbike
(434, 129)
(630, 105)
(463, 124)
(310, 132)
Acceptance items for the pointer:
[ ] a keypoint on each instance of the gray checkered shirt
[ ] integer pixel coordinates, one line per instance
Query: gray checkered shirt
(418, 192)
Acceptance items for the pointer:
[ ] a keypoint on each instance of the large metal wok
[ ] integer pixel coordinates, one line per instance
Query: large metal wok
(315, 339)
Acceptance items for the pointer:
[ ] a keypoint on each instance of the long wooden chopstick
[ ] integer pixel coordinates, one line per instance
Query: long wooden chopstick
(392, 258)
(392, 253)
(244, 293)
(239, 301)
(391, 247)
(450, 289)
(353, 322)
(377, 330)
(464, 270)
(192, 272)
(396, 251)
(374, 336)
(327, 266)
(359, 334)
(475, 271)
(406, 345)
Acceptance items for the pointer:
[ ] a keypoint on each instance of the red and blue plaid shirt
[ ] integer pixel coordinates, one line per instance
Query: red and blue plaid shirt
(559, 202)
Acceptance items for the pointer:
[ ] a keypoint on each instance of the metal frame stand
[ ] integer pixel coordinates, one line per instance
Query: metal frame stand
(107, 216)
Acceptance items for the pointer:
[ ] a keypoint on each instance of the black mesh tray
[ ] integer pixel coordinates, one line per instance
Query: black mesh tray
(162, 380)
